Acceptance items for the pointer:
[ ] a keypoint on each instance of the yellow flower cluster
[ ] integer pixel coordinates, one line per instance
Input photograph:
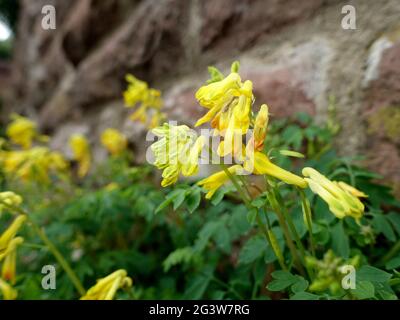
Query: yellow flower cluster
(35, 164)
(106, 288)
(22, 131)
(138, 92)
(343, 200)
(114, 141)
(8, 255)
(177, 151)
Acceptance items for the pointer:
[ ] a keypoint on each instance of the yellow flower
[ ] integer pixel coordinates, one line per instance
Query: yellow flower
(114, 141)
(259, 163)
(215, 94)
(8, 271)
(156, 119)
(138, 92)
(111, 186)
(217, 180)
(341, 198)
(177, 150)
(9, 293)
(22, 131)
(351, 190)
(6, 239)
(9, 198)
(106, 288)
(256, 142)
(81, 151)
(236, 121)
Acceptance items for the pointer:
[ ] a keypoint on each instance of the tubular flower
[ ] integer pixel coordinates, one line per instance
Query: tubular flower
(10, 199)
(149, 99)
(106, 288)
(9, 293)
(341, 198)
(6, 239)
(114, 141)
(177, 150)
(81, 152)
(217, 180)
(259, 163)
(22, 131)
(8, 271)
(236, 122)
(256, 142)
(34, 164)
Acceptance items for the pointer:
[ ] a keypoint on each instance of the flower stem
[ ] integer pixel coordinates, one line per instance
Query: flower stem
(281, 219)
(308, 215)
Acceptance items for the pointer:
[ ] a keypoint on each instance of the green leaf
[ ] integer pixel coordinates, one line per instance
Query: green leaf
(340, 241)
(253, 249)
(181, 255)
(394, 218)
(215, 75)
(393, 263)
(304, 296)
(283, 280)
(235, 67)
(300, 285)
(369, 273)
(290, 153)
(193, 200)
(382, 225)
(178, 198)
(252, 215)
(198, 285)
(364, 290)
(222, 239)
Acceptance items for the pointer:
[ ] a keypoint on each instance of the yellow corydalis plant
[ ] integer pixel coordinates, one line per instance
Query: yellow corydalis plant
(114, 141)
(106, 288)
(342, 199)
(177, 151)
(81, 153)
(138, 92)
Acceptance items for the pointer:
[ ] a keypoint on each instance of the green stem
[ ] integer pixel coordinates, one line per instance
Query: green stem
(237, 186)
(267, 236)
(52, 248)
(307, 213)
(286, 232)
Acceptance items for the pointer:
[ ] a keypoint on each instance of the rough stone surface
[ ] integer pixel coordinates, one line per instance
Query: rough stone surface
(295, 52)
(381, 109)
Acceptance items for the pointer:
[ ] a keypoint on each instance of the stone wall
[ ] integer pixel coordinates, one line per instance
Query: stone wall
(296, 52)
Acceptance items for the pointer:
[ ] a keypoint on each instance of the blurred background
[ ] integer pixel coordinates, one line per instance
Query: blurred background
(296, 52)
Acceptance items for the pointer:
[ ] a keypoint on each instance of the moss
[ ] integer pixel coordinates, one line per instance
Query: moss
(386, 121)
